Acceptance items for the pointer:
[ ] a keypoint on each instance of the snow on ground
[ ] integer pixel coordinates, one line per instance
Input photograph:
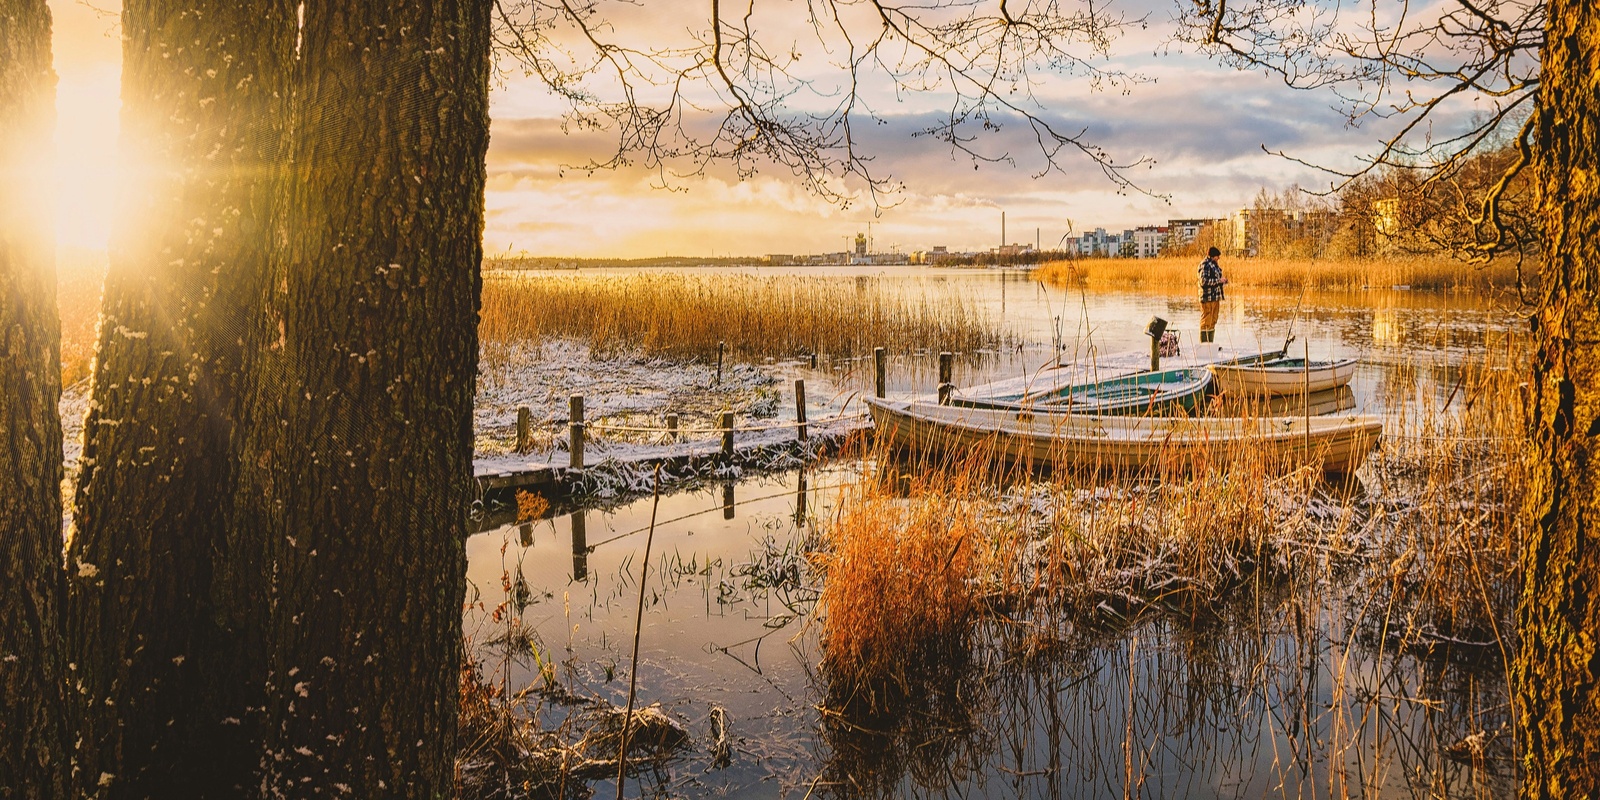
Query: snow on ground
(628, 390)
(636, 392)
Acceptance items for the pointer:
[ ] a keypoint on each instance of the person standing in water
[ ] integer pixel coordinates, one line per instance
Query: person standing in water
(1211, 283)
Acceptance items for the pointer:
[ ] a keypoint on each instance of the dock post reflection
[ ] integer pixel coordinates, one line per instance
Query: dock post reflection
(727, 500)
(525, 534)
(580, 547)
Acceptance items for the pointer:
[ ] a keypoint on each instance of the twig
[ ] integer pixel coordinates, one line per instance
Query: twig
(638, 626)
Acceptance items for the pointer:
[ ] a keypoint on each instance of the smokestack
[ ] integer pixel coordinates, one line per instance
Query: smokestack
(1002, 229)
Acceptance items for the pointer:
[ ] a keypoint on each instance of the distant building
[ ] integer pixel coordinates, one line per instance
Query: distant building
(1148, 241)
(861, 245)
(777, 259)
(1099, 243)
(1181, 232)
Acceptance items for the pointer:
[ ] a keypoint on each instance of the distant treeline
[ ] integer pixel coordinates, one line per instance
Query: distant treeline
(1029, 258)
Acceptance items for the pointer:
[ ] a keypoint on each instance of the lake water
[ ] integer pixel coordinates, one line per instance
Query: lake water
(1280, 694)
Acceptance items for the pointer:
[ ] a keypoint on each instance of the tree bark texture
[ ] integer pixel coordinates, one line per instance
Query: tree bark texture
(1557, 672)
(360, 452)
(34, 742)
(203, 88)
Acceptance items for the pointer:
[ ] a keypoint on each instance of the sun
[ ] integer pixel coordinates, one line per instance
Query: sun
(85, 170)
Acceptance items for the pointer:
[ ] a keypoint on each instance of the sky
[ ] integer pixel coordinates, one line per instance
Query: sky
(1204, 126)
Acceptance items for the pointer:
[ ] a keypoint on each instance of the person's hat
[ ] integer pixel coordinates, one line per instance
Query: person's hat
(1213, 252)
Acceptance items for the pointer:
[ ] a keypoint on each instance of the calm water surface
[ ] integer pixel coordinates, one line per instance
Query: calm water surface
(1256, 702)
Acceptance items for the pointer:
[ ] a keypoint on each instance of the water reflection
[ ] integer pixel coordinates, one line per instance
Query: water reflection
(580, 547)
(1280, 692)
(1269, 699)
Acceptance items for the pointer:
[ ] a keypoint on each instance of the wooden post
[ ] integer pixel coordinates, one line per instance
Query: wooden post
(1155, 353)
(727, 433)
(727, 500)
(813, 360)
(721, 348)
(575, 427)
(800, 500)
(880, 362)
(672, 427)
(946, 371)
(800, 405)
(524, 429)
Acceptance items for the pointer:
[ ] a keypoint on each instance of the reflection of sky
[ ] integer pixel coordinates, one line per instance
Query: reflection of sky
(1228, 707)
(1203, 124)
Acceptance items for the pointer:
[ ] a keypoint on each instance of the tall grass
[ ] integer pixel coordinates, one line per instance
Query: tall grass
(79, 276)
(1435, 528)
(1276, 606)
(1439, 273)
(901, 577)
(687, 315)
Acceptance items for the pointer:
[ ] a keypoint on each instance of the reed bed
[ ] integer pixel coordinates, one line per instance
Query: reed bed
(1160, 629)
(1336, 275)
(686, 316)
(79, 277)
(900, 588)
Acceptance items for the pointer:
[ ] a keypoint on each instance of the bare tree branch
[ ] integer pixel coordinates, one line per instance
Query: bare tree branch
(745, 88)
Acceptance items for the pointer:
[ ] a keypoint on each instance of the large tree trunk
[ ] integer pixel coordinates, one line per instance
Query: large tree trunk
(156, 656)
(1558, 667)
(34, 751)
(359, 458)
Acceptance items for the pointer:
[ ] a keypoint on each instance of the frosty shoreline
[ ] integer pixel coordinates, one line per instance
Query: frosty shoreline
(620, 390)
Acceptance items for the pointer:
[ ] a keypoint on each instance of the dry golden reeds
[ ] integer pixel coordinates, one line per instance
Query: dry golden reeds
(79, 276)
(899, 586)
(1436, 544)
(1330, 274)
(686, 316)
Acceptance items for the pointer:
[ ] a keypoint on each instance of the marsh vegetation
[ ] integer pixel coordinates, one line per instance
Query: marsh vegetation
(887, 625)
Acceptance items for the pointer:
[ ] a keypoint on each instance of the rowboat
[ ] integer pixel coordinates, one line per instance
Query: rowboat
(1142, 393)
(1283, 376)
(1338, 445)
(1059, 377)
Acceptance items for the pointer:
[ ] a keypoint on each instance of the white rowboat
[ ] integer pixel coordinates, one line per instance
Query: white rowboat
(1283, 376)
(1058, 440)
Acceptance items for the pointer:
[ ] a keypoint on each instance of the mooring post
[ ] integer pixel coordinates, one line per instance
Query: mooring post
(672, 427)
(575, 426)
(1155, 353)
(880, 362)
(947, 361)
(813, 360)
(721, 348)
(524, 429)
(727, 433)
(800, 405)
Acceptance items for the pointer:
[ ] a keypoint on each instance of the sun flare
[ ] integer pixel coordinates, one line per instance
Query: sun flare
(86, 166)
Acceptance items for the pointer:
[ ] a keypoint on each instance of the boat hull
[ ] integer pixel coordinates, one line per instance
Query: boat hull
(1280, 378)
(1337, 445)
